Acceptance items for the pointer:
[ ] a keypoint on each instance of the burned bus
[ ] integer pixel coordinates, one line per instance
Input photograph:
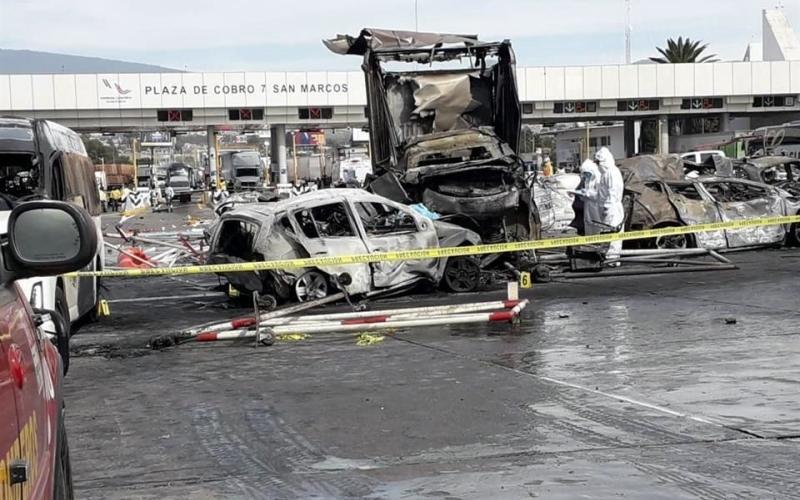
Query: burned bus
(445, 131)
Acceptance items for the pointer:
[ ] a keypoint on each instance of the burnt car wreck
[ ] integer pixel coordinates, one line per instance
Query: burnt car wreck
(446, 137)
(780, 171)
(334, 222)
(658, 196)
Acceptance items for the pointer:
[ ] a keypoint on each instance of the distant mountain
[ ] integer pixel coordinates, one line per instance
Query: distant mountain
(35, 62)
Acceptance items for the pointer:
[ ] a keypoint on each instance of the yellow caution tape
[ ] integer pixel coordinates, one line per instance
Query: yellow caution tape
(369, 339)
(435, 253)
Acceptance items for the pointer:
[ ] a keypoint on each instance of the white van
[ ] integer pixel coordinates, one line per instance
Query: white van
(700, 157)
(41, 159)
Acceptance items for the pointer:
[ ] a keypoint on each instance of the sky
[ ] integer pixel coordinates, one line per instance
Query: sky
(268, 35)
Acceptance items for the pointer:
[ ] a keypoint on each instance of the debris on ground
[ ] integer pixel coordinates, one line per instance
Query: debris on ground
(291, 337)
(285, 324)
(366, 339)
(136, 249)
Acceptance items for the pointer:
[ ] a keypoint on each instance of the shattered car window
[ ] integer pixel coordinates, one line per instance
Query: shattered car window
(18, 175)
(237, 238)
(728, 192)
(286, 225)
(739, 172)
(655, 186)
(786, 172)
(326, 221)
(793, 172)
(379, 219)
(686, 190)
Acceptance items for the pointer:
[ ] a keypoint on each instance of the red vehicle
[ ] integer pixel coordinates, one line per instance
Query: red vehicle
(34, 455)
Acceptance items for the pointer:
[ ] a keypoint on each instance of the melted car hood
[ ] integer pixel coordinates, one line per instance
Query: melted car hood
(446, 153)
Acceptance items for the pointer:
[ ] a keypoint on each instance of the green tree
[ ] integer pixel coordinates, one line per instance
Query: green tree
(97, 151)
(683, 51)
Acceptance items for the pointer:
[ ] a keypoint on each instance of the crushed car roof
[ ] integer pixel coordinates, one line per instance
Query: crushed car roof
(256, 210)
(770, 161)
(377, 40)
(652, 167)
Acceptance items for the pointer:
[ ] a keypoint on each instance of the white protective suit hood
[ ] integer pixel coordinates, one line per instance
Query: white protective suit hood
(592, 168)
(604, 159)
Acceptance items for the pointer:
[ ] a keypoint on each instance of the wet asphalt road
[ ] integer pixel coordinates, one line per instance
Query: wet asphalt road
(630, 387)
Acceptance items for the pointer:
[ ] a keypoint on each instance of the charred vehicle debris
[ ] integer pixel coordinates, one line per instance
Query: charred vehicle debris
(780, 171)
(659, 195)
(338, 222)
(446, 137)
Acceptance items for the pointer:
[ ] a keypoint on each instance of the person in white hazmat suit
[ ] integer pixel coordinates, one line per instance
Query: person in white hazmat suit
(602, 199)
(589, 193)
(610, 191)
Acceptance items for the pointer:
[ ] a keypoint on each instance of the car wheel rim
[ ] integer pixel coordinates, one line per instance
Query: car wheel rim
(462, 275)
(311, 286)
(671, 242)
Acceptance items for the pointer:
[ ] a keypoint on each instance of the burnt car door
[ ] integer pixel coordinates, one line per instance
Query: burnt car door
(695, 206)
(326, 228)
(389, 227)
(236, 242)
(738, 200)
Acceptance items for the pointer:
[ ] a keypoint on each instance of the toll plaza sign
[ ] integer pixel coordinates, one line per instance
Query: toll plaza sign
(248, 89)
(305, 88)
(185, 90)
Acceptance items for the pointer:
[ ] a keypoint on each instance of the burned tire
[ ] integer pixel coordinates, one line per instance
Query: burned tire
(673, 242)
(793, 238)
(461, 274)
(62, 475)
(518, 230)
(311, 286)
(65, 326)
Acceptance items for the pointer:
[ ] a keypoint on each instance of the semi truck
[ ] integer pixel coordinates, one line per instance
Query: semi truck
(242, 170)
(183, 180)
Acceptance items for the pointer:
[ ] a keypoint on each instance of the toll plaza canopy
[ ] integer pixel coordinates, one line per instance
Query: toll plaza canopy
(336, 98)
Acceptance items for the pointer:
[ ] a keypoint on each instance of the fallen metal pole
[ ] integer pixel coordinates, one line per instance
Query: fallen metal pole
(372, 316)
(450, 319)
(157, 242)
(247, 321)
(302, 306)
(663, 251)
(719, 257)
(646, 260)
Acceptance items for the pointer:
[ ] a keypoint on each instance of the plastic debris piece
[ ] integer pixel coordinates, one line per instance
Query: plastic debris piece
(368, 339)
(291, 337)
(424, 211)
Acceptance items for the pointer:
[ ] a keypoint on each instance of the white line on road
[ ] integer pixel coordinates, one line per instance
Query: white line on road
(173, 297)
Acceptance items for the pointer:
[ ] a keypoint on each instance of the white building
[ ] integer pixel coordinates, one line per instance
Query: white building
(570, 143)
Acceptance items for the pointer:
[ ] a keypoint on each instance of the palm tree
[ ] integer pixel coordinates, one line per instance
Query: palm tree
(683, 51)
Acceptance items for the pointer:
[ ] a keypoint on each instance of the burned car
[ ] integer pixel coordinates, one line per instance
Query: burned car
(333, 222)
(779, 171)
(446, 137)
(661, 197)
